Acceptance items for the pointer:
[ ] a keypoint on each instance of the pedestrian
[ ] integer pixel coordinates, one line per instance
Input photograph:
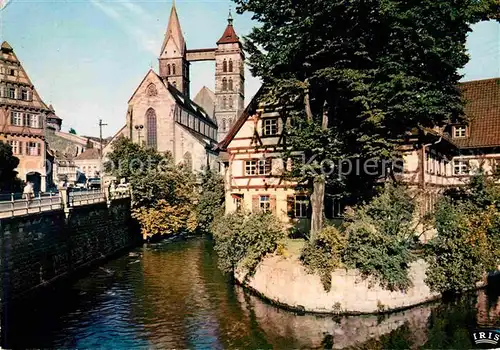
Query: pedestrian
(28, 192)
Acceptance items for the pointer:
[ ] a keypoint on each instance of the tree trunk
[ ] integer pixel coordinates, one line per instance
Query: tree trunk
(318, 206)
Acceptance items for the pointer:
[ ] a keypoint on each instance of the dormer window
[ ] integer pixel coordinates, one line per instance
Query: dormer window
(460, 131)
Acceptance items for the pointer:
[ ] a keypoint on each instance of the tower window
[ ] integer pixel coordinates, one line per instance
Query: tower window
(151, 128)
(168, 69)
(230, 65)
(230, 102)
(173, 69)
(224, 125)
(230, 84)
(224, 103)
(224, 84)
(224, 66)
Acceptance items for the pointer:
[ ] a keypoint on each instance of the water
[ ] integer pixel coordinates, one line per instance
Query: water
(173, 296)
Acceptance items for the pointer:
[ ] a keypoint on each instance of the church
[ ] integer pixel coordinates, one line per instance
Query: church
(161, 114)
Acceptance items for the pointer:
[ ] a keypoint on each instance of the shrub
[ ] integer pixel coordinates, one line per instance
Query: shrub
(211, 203)
(324, 254)
(381, 235)
(243, 240)
(465, 247)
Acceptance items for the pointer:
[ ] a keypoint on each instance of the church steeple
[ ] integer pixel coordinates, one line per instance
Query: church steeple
(229, 36)
(174, 66)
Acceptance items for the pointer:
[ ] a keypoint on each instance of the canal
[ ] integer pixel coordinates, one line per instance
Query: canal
(171, 295)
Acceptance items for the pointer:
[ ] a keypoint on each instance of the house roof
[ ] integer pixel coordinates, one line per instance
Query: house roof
(229, 36)
(88, 154)
(483, 111)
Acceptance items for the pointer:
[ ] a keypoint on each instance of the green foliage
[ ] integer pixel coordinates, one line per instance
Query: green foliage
(381, 235)
(241, 241)
(357, 75)
(211, 203)
(324, 254)
(468, 236)
(72, 131)
(8, 162)
(164, 194)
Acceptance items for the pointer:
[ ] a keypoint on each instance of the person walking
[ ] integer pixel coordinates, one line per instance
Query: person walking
(28, 192)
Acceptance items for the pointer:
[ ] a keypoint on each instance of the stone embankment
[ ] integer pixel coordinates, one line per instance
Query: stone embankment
(285, 282)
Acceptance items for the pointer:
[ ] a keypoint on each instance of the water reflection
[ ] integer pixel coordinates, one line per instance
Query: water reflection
(173, 296)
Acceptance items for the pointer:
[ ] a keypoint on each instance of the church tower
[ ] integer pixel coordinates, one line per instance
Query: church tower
(174, 67)
(229, 79)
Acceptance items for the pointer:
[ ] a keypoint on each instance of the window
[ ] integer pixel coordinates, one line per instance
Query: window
(224, 84)
(238, 201)
(301, 204)
(230, 84)
(11, 92)
(224, 103)
(224, 125)
(265, 203)
(224, 66)
(34, 121)
(15, 146)
(258, 167)
(168, 69)
(16, 118)
(460, 167)
(173, 69)
(151, 128)
(460, 131)
(24, 94)
(230, 65)
(11, 71)
(270, 126)
(188, 160)
(230, 102)
(33, 149)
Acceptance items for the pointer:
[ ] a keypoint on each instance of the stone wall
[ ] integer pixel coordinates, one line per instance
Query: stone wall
(286, 282)
(37, 249)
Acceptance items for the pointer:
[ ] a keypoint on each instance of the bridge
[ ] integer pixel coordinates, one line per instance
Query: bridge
(15, 205)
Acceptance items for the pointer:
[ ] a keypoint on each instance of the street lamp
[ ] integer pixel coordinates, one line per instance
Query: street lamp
(139, 128)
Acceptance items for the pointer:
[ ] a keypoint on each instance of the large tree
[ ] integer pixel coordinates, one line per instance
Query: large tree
(8, 180)
(356, 76)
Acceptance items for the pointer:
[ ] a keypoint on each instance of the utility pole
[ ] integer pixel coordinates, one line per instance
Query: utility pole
(101, 124)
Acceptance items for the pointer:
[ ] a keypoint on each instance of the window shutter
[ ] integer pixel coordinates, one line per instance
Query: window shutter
(272, 199)
(290, 204)
(20, 145)
(27, 148)
(255, 203)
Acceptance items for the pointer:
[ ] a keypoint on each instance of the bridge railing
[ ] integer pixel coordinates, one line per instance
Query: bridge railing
(23, 206)
(86, 197)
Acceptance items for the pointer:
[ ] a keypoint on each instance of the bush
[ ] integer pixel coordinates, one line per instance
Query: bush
(381, 235)
(211, 203)
(243, 240)
(324, 254)
(465, 247)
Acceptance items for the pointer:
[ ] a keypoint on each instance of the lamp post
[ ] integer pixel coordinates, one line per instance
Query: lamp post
(139, 129)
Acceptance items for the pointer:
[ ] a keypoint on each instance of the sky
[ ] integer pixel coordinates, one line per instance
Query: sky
(86, 57)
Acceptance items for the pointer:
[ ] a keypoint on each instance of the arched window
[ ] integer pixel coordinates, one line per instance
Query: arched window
(224, 125)
(224, 84)
(230, 102)
(174, 84)
(188, 160)
(224, 66)
(224, 103)
(151, 128)
(168, 69)
(173, 69)
(230, 84)
(230, 65)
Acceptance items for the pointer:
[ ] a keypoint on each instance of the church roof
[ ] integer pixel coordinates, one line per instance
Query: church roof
(206, 99)
(174, 32)
(188, 104)
(229, 36)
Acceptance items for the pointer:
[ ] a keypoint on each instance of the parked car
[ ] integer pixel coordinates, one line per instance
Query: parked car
(94, 183)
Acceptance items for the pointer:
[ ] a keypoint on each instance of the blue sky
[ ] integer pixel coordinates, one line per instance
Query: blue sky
(86, 57)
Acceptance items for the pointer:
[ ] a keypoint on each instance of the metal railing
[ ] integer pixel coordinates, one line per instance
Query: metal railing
(86, 197)
(17, 205)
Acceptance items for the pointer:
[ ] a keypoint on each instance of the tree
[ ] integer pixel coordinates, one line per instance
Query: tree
(211, 204)
(8, 180)
(72, 131)
(164, 193)
(355, 77)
